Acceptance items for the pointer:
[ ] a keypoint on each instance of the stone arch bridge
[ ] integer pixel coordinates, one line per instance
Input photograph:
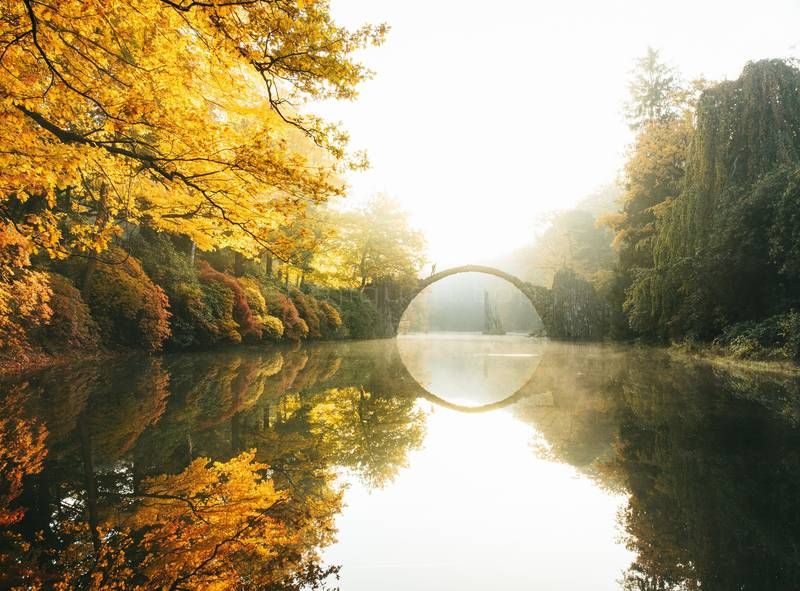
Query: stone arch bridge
(537, 295)
(569, 310)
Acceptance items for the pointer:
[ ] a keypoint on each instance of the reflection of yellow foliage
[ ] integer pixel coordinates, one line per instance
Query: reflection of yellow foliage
(22, 452)
(215, 525)
(118, 420)
(333, 366)
(198, 527)
(371, 434)
(273, 364)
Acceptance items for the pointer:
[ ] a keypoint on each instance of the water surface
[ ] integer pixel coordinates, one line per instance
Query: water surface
(427, 462)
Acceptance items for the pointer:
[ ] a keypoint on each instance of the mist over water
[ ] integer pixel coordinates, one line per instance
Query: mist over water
(470, 368)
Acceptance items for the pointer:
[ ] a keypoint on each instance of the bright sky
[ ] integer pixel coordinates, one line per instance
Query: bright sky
(482, 116)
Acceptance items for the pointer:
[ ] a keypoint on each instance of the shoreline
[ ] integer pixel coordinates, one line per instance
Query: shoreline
(707, 354)
(696, 353)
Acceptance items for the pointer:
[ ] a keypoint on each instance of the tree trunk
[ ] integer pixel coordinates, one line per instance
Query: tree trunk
(238, 264)
(90, 483)
(91, 267)
(269, 264)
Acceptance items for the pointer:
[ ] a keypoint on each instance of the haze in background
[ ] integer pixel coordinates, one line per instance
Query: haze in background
(479, 120)
(457, 304)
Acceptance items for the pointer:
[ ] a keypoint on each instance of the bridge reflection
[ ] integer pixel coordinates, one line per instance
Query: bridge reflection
(447, 370)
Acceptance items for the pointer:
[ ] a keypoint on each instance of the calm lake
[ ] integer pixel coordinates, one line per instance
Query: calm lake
(428, 462)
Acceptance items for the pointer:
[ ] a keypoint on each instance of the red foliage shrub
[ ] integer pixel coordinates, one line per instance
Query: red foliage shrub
(280, 305)
(248, 324)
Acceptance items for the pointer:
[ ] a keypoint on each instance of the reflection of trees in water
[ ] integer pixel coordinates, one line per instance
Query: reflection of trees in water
(146, 482)
(714, 475)
(709, 457)
(575, 419)
(127, 480)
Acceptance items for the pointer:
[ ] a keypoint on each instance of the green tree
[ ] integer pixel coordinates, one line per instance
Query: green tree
(575, 241)
(721, 253)
(660, 109)
(654, 91)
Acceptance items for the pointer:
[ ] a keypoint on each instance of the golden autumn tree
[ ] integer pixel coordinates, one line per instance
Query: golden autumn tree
(373, 243)
(369, 433)
(183, 115)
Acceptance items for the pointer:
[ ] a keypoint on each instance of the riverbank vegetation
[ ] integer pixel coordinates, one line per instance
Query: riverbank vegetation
(154, 202)
(164, 188)
(703, 230)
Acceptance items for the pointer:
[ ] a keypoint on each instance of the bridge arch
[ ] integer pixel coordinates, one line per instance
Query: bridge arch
(537, 295)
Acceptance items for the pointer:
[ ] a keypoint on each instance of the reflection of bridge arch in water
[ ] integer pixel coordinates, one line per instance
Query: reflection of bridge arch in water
(418, 390)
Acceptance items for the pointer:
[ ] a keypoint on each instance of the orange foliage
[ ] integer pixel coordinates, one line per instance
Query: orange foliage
(216, 525)
(295, 328)
(24, 295)
(22, 452)
(127, 305)
(71, 326)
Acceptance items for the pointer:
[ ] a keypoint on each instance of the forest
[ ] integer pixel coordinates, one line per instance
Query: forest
(153, 202)
(696, 244)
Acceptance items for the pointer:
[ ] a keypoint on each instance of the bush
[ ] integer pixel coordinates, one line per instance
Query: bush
(270, 326)
(71, 326)
(360, 317)
(242, 314)
(130, 309)
(218, 299)
(24, 297)
(332, 317)
(162, 261)
(790, 331)
(776, 336)
(295, 328)
(202, 315)
(203, 308)
(307, 308)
